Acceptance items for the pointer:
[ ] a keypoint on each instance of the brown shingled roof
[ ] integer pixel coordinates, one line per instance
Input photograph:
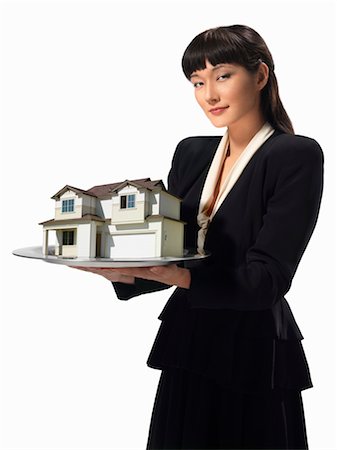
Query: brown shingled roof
(106, 189)
(103, 190)
(71, 188)
(84, 218)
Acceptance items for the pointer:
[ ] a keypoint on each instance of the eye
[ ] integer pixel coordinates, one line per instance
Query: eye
(197, 84)
(224, 76)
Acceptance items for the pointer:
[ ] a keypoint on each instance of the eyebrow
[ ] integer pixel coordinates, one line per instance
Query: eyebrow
(218, 66)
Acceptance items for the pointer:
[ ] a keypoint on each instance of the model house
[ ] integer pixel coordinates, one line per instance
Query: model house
(130, 219)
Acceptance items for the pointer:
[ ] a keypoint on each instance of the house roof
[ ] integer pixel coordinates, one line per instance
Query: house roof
(67, 187)
(84, 218)
(106, 189)
(103, 190)
(155, 217)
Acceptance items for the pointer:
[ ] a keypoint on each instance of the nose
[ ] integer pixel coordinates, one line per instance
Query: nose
(211, 94)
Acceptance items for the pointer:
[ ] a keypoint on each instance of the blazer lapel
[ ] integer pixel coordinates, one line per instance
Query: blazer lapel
(236, 186)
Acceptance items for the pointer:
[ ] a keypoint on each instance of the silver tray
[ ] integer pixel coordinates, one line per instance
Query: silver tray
(36, 253)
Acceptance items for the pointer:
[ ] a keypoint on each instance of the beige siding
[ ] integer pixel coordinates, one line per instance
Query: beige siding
(155, 202)
(84, 204)
(69, 251)
(106, 208)
(65, 250)
(59, 215)
(173, 238)
(88, 205)
(148, 203)
(128, 215)
(164, 204)
(68, 195)
(169, 206)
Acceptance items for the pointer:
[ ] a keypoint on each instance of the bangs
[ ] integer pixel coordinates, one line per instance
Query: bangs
(218, 46)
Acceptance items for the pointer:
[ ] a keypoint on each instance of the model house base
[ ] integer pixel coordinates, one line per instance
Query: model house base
(130, 219)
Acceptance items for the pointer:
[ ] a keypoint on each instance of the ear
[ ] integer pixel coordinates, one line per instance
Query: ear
(262, 75)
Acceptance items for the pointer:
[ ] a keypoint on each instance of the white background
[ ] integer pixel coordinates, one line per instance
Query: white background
(93, 93)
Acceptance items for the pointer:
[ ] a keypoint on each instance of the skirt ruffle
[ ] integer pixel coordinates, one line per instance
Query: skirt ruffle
(193, 412)
(236, 349)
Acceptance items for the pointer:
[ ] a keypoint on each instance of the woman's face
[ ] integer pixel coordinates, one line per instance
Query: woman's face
(228, 93)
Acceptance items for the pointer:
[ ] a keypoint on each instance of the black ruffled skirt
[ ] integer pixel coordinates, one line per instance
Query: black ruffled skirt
(193, 412)
(230, 379)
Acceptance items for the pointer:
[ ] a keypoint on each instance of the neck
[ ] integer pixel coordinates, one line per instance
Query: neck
(241, 134)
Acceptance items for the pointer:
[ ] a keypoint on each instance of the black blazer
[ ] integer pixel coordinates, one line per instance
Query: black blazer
(256, 240)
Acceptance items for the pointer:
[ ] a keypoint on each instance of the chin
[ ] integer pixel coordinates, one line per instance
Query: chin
(219, 124)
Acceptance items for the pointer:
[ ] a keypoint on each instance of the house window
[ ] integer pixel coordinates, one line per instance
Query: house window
(68, 237)
(128, 201)
(123, 201)
(68, 205)
(131, 201)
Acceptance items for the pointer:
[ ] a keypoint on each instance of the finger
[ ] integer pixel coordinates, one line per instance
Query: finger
(149, 271)
(118, 277)
(130, 271)
(159, 270)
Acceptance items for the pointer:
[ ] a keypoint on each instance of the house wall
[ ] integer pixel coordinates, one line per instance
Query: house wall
(129, 215)
(49, 240)
(169, 206)
(106, 208)
(86, 240)
(57, 234)
(104, 231)
(149, 200)
(155, 201)
(173, 238)
(88, 204)
(69, 251)
(65, 250)
(129, 227)
(165, 204)
(59, 215)
(58, 243)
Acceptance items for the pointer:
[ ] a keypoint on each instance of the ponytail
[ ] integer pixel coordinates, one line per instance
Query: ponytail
(273, 108)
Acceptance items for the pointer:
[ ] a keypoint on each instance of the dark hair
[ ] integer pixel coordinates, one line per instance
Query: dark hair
(239, 44)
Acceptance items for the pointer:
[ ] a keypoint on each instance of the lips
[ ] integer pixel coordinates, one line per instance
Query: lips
(218, 111)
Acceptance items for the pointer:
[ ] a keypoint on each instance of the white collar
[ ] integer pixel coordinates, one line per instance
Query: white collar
(214, 172)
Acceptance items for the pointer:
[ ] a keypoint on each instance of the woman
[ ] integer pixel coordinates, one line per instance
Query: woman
(230, 351)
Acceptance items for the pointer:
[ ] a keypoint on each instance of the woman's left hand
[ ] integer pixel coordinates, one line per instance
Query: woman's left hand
(170, 274)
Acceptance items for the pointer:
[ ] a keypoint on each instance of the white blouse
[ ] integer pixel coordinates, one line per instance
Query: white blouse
(214, 174)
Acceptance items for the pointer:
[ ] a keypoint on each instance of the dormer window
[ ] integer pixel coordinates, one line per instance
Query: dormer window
(128, 201)
(68, 205)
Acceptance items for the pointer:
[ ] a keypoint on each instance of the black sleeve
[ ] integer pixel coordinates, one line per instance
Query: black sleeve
(126, 291)
(270, 263)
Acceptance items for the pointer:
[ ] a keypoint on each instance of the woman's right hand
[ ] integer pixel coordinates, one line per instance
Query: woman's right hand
(111, 275)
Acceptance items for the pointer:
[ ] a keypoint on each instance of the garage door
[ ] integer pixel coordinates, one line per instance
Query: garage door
(141, 245)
